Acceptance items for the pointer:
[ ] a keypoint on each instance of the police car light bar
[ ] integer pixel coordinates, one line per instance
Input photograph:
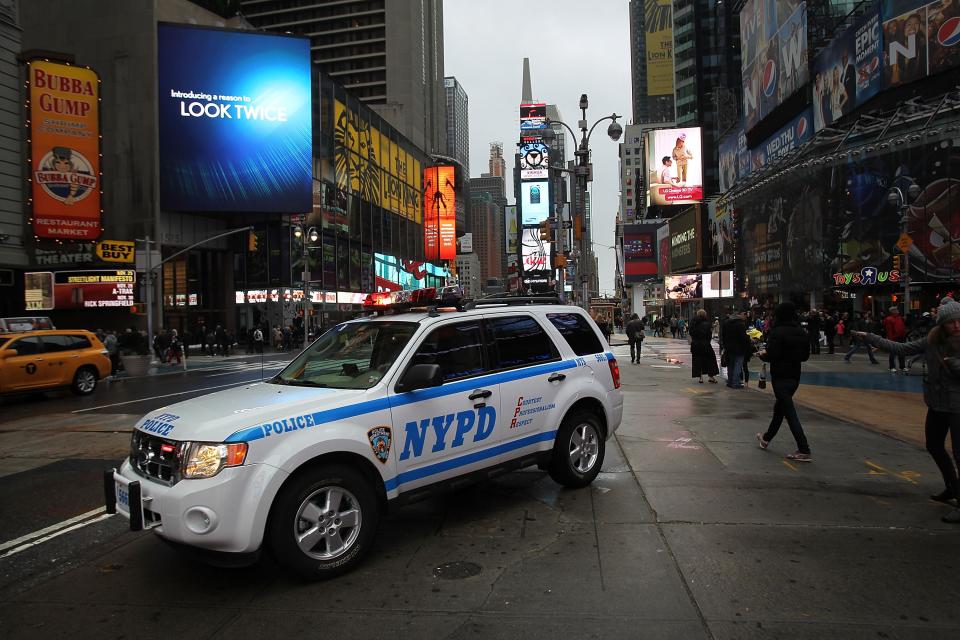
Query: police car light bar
(400, 300)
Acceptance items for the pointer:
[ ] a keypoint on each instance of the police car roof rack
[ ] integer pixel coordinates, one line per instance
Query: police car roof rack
(512, 301)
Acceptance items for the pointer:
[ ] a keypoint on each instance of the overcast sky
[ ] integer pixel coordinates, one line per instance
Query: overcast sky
(574, 47)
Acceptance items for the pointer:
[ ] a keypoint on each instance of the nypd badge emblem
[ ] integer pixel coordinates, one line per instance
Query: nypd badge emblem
(380, 442)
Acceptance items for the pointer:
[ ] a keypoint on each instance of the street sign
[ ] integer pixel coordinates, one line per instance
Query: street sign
(141, 259)
(904, 243)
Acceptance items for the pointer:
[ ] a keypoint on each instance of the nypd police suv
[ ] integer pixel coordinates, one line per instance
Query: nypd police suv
(378, 410)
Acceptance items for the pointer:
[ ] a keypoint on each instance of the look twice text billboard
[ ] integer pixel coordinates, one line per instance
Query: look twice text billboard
(235, 121)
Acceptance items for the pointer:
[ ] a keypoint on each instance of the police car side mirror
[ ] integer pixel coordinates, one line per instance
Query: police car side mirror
(420, 376)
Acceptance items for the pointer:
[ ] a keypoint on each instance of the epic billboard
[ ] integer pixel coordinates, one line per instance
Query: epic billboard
(848, 72)
(235, 121)
(64, 151)
(773, 34)
(674, 164)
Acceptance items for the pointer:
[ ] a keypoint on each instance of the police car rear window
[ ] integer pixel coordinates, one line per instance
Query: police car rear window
(578, 333)
(520, 341)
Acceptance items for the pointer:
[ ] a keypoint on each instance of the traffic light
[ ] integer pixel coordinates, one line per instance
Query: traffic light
(545, 230)
(897, 261)
(561, 261)
(252, 242)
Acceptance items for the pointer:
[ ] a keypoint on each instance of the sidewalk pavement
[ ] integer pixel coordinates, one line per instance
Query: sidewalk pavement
(854, 391)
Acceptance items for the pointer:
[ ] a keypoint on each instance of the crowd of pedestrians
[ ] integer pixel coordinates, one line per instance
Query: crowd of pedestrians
(783, 338)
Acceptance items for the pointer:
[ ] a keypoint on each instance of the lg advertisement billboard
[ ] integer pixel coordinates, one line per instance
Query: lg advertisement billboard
(234, 121)
(773, 36)
(674, 162)
(64, 151)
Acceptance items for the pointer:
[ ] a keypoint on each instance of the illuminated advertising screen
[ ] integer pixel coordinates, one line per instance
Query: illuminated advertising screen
(773, 37)
(533, 117)
(235, 121)
(674, 159)
(734, 158)
(64, 151)
(534, 160)
(717, 284)
(534, 202)
(786, 139)
(96, 289)
(439, 214)
(921, 39)
(686, 287)
(849, 71)
(685, 240)
(639, 252)
(395, 274)
(536, 252)
(510, 224)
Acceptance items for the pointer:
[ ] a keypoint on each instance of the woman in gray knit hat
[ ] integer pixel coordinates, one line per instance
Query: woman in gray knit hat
(941, 393)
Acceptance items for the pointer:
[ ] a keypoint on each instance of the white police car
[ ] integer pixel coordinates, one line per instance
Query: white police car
(378, 410)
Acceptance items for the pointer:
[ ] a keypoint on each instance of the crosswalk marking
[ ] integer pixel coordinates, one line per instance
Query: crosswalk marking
(246, 366)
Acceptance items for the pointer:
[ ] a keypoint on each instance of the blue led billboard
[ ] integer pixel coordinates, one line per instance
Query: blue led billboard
(234, 121)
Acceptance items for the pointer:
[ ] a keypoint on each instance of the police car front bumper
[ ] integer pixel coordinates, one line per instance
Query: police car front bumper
(225, 513)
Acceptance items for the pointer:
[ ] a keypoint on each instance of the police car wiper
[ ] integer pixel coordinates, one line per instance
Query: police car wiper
(305, 383)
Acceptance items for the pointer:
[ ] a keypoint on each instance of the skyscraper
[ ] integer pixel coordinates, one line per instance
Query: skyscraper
(498, 166)
(651, 58)
(458, 123)
(390, 54)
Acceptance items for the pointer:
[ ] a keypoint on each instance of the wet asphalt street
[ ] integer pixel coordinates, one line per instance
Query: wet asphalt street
(691, 531)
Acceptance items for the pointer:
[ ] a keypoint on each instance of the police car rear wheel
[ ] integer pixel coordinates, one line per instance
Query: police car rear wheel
(84, 381)
(324, 523)
(578, 451)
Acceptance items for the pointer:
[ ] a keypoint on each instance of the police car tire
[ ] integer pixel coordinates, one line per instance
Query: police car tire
(562, 467)
(284, 521)
(81, 384)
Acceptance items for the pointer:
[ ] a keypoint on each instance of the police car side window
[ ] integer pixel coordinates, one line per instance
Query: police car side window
(578, 333)
(519, 341)
(26, 346)
(457, 348)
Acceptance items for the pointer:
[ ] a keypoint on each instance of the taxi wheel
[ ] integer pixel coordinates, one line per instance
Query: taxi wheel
(324, 522)
(84, 381)
(578, 451)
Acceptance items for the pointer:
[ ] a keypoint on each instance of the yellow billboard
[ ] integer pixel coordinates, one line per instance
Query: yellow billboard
(658, 18)
(367, 163)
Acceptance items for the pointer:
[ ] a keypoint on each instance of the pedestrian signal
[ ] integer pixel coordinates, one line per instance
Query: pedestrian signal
(897, 261)
(545, 230)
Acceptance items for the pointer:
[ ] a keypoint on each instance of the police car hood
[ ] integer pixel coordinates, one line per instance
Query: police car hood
(233, 414)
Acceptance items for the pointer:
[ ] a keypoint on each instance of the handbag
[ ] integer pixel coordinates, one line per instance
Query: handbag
(724, 362)
(763, 377)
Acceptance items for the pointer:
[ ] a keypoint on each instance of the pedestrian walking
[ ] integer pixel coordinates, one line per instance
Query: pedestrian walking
(830, 329)
(113, 350)
(941, 394)
(787, 347)
(258, 340)
(734, 345)
(896, 331)
(863, 324)
(634, 330)
(673, 326)
(703, 356)
(681, 328)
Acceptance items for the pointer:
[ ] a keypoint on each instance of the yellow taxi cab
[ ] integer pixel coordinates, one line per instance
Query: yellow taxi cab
(38, 360)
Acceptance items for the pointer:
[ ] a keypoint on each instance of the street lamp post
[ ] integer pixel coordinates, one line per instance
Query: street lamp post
(897, 198)
(313, 236)
(583, 173)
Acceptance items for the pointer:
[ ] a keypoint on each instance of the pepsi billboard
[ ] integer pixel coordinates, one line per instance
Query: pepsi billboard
(734, 158)
(773, 37)
(849, 71)
(234, 121)
(921, 38)
(785, 140)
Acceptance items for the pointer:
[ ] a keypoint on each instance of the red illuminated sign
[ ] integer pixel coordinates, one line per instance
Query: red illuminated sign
(439, 214)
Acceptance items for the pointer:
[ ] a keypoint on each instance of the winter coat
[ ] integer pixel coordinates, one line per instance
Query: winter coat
(941, 384)
(704, 357)
(787, 346)
(734, 338)
(634, 330)
(894, 328)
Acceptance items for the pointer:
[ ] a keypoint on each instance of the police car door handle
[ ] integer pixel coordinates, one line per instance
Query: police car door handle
(557, 377)
(480, 393)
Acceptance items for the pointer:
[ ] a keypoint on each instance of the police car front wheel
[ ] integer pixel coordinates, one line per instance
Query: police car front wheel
(578, 451)
(324, 522)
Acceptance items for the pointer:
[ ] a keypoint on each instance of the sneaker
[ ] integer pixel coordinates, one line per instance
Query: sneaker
(945, 496)
(953, 517)
(893, 370)
(763, 443)
(903, 371)
(800, 457)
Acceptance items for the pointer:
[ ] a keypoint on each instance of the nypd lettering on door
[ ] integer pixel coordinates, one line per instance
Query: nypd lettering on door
(452, 427)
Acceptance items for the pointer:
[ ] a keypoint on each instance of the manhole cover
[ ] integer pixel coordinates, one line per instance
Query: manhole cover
(457, 570)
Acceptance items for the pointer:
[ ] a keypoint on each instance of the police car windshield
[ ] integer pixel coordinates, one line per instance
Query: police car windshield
(353, 355)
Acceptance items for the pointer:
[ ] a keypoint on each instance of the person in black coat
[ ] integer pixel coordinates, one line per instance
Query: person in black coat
(787, 346)
(813, 330)
(704, 357)
(635, 337)
(735, 344)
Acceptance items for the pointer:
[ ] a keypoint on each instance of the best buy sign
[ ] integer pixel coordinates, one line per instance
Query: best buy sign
(116, 250)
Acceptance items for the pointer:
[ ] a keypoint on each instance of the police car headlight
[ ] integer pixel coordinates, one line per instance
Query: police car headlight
(205, 460)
